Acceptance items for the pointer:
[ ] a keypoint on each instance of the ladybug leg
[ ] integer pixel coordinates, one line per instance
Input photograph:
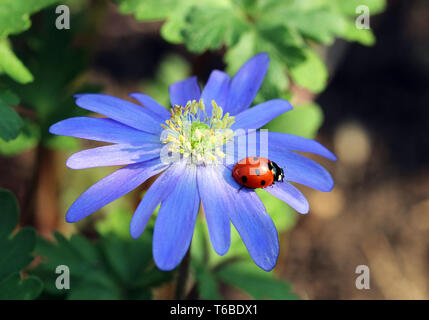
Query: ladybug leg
(240, 189)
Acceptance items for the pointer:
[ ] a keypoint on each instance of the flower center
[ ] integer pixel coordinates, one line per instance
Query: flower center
(193, 134)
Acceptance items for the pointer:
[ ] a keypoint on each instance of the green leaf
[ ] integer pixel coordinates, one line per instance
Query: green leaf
(349, 7)
(281, 42)
(246, 5)
(15, 18)
(320, 25)
(15, 14)
(27, 139)
(151, 278)
(127, 258)
(11, 65)
(15, 288)
(16, 253)
(77, 254)
(10, 122)
(304, 120)
(8, 213)
(148, 9)
(312, 20)
(171, 30)
(111, 268)
(209, 27)
(257, 283)
(311, 74)
(363, 36)
(280, 28)
(58, 64)
(94, 286)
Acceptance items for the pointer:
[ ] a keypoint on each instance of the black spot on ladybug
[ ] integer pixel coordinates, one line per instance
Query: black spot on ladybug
(258, 172)
(244, 179)
(263, 183)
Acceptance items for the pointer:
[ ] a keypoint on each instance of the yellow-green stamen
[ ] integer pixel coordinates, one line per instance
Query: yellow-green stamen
(193, 134)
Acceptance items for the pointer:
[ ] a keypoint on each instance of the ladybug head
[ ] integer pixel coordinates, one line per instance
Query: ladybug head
(278, 172)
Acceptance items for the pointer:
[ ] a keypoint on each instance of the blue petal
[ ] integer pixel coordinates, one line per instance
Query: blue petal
(175, 223)
(113, 155)
(113, 187)
(105, 130)
(286, 141)
(259, 115)
(216, 205)
(252, 222)
(291, 195)
(157, 192)
(216, 89)
(246, 83)
(183, 91)
(303, 170)
(152, 105)
(120, 110)
(277, 141)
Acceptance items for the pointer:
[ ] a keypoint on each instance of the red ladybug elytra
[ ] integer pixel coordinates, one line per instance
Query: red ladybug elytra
(257, 172)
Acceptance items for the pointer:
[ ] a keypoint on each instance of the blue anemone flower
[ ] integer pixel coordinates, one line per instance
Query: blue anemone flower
(203, 126)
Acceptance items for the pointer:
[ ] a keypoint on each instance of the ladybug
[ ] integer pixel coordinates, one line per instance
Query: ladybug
(257, 172)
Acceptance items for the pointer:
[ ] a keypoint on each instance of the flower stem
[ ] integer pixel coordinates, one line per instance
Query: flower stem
(183, 275)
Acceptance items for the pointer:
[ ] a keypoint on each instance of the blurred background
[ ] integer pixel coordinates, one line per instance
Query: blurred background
(362, 93)
(375, 110)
